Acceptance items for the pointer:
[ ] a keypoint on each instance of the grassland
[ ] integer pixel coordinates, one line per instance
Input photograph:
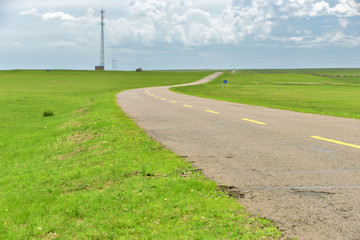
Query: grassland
(334, 92)
(73, 166)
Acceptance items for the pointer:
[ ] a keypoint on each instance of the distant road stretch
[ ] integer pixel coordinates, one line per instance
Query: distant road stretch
(300, 170)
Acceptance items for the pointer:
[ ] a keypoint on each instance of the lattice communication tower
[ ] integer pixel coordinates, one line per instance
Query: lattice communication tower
(102, 51)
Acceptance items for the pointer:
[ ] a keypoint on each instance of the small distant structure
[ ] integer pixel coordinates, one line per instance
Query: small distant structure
(139, 70)
(99, 68)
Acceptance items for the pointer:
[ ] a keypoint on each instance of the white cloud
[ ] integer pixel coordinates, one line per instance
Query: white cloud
(151, 22)
(343, 22)
(335, 38)
(63, 45)
(61, 16)
(296, 39)
(11, 45)
(341, 39)
(319, 8)
(346, 8)
(51, 15)
(32, 11)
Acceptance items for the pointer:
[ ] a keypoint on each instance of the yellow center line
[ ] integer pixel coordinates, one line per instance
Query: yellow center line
(156, 97)
(147, 91)
(211, 111)
(249, 120)
(337, 142)
(188, 106)
(172, 101)
(163, 99)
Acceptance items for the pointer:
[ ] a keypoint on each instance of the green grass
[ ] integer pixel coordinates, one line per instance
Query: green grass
(74, 166)
(334, 92)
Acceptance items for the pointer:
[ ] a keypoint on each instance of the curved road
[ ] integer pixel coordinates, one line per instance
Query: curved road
(300, 170)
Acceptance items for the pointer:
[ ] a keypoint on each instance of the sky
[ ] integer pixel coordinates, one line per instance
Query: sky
(180, 34)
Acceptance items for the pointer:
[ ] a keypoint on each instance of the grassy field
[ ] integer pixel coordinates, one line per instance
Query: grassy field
(73, 166)
(334, 92)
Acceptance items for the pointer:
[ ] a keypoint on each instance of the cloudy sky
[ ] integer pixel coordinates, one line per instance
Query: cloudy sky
(180, 34)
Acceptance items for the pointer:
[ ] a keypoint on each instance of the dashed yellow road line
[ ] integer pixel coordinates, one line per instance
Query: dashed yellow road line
(163, 99)
(253, 121)
(172, 101)
(335, 141)
(211, 111)
(156, 97)
(188, 106)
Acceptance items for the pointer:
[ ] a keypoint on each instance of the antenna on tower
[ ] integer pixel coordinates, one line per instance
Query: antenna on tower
(102, 52)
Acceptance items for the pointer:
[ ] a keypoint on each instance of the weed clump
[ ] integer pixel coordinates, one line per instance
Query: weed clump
(48, 114)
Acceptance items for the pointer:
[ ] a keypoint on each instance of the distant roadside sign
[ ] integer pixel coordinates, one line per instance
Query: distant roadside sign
(225, 82)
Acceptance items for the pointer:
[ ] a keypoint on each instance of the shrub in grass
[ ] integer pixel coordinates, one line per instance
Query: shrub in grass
(48, 114)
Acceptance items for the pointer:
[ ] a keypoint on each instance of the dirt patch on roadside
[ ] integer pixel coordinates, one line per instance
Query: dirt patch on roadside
(76, 152)
(80, 137)
(71, 124)
(232, 191)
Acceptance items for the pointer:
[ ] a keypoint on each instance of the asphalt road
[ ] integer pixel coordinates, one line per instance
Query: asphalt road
(300, 170)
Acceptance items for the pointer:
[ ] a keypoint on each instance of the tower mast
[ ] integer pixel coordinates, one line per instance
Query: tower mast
(102, 52)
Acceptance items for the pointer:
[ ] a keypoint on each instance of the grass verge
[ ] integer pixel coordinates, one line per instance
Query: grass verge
(73, 166)
(334, 92)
